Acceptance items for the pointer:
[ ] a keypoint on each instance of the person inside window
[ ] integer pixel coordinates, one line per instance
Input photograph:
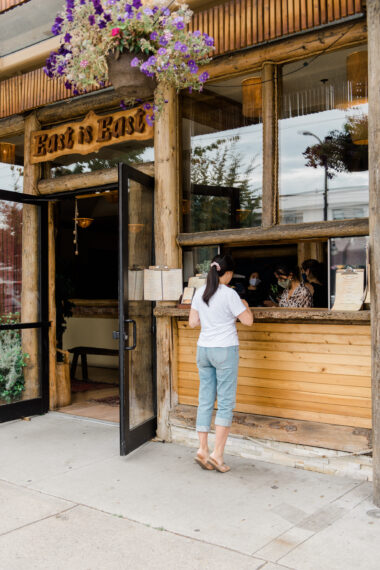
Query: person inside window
(312, 274)
(296, 294)
(255, 290)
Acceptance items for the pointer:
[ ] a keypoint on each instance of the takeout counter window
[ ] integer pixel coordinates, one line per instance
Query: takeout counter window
(261, 271)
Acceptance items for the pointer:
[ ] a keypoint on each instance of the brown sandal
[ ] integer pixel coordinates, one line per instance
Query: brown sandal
(204, 464)
(222, 468)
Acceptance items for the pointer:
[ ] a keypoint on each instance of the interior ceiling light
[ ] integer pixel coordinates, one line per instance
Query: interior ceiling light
(7, 152)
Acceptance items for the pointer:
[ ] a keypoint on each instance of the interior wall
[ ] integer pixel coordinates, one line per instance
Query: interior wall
(93, 332)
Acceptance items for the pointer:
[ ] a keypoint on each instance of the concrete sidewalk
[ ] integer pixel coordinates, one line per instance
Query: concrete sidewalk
(68, 501)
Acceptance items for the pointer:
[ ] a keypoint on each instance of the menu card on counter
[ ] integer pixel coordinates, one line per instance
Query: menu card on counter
(162, 284)
(135, 284)
(349, 288)
(197, 281)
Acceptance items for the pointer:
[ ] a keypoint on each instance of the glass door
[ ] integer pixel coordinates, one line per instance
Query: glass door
(136, 322)
(24, 367)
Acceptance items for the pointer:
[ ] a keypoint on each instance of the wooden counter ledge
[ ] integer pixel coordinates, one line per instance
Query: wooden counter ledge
(271, 315)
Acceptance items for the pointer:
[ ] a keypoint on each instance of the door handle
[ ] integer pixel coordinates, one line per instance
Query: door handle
(134, 342)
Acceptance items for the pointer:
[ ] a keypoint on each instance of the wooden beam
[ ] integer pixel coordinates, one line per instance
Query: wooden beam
(71, 182)
(166, 152)
(301, 432)
(270, 155)
(357, 227)
(78, 107)
(30, 269)
(300, 46)
(373, 11)
(11, 126)
(275, 315)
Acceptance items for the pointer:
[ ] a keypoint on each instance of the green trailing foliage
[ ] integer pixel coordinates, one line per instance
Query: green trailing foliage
(12, 361)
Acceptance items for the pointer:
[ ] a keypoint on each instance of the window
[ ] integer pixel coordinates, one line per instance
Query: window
(323, 138)
(222, 156)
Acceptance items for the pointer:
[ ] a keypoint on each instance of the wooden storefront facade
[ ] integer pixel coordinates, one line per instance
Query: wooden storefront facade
(305, 375)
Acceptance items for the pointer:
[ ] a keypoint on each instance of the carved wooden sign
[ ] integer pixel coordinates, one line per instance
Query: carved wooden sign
(90, 134)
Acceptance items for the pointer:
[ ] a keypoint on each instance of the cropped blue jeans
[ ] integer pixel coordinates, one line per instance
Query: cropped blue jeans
(218, 371)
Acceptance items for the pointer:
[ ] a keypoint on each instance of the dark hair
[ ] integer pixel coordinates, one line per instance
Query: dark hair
(225, 263)
(288, 269)
(315, 267)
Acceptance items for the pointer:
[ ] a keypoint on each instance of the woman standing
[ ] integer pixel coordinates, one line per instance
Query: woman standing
(215, 308)
(314, 281)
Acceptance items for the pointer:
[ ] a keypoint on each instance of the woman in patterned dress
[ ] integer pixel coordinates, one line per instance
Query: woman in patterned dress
(296, 294)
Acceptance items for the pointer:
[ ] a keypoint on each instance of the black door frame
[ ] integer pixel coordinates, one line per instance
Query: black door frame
(130, 439)
(40, 405)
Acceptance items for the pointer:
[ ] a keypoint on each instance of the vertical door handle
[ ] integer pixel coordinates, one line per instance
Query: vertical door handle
(134, 341)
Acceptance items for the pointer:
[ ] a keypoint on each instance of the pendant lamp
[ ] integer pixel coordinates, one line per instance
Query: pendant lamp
(7, 152)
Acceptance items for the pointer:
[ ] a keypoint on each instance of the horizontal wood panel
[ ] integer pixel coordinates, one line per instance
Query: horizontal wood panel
(298, 347)
(295, 414)
(280, 376)
(314, 377)
(189, 378)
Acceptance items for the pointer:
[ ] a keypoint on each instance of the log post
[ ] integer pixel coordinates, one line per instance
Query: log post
(373, 20)
(166, 227)
(270, 155)
(30, 268)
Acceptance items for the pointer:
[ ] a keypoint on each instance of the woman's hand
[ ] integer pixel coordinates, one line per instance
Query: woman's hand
(246, 317)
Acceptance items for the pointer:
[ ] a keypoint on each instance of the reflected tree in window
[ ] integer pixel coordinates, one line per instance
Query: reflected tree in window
(222, 193)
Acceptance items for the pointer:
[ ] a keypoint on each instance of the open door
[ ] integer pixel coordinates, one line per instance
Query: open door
(138, 415)
(24, 326)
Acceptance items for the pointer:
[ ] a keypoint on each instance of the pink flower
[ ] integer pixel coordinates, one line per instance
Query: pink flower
(84, 63)
(115, 31)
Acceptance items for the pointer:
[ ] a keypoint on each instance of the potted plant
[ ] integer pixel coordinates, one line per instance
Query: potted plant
(137, 47)
(12, 361)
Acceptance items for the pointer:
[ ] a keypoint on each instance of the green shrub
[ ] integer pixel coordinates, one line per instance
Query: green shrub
(12, 361)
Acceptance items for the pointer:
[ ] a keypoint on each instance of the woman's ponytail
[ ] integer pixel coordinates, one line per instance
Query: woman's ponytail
(219, 266)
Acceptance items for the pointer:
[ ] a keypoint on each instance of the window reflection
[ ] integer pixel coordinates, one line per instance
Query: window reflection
(323, 138)
(222, 156)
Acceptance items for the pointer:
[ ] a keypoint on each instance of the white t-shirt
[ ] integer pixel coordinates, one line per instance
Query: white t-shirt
(218, 318)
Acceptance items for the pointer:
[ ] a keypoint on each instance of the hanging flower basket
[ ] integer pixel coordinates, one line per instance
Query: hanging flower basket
(128, 81)
(137, 47)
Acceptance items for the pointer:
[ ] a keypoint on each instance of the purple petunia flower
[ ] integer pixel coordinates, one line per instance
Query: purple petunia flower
(82, 2)
(183, 48)
(137, 4)
(179, 24)
(152, 60)
(209, 41)
(67, 37)
(204, 76)
(60, 69)
(68, 85)
(147, 106)
(91, 19)
(165, 11)
(148, 11)
(196, 34)
(163, 41)
(178, 45)
(153, 36)
(150, 120)
(107, 17)
(135, 62)
(75, 92)
(162, 51)
(102, 24)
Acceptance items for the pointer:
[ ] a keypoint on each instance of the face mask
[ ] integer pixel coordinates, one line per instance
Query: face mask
(304, 276)
(284, 283)
(254, 281)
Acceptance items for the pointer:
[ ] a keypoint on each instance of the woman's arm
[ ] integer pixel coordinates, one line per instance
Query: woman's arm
(246, 317)
(194, 320)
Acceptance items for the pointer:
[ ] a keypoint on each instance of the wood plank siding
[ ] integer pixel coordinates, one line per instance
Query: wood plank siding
(320, 373)
(9, 4)
(235, 24)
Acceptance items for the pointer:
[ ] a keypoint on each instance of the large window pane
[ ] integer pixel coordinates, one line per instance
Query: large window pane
(323, 138)
(222, 156)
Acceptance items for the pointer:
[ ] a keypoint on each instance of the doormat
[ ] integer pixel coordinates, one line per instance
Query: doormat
(81, 386)
(110, 401)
